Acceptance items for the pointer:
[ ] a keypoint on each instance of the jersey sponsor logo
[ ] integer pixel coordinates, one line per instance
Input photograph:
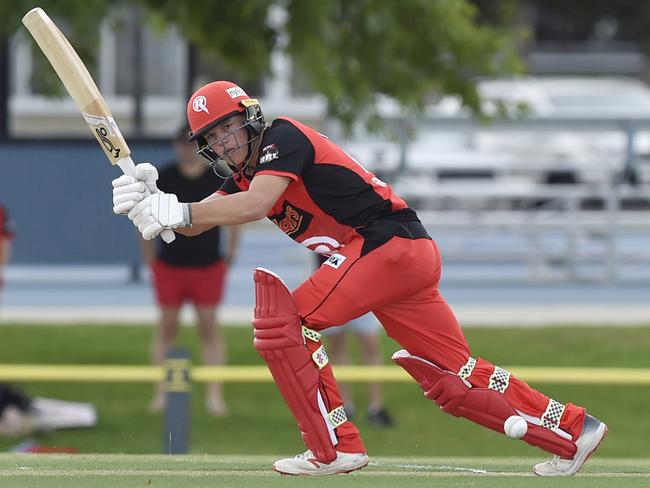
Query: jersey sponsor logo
(235, 92)
(335, 261)
(269, 153)
(200, 104)
(293, 221)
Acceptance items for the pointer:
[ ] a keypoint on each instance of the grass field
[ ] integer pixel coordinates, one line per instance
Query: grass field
(117, 471)
(125, 425)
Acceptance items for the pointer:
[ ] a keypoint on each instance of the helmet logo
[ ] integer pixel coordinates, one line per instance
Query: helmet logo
(235, 92)
(200, 104)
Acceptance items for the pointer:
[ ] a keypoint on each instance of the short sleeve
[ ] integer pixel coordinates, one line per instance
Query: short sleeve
(286, 151)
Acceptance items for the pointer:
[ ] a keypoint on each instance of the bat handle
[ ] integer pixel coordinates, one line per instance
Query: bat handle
(128, 168)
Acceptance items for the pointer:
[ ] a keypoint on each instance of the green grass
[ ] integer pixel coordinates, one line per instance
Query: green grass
(116, 471)
(260, 424)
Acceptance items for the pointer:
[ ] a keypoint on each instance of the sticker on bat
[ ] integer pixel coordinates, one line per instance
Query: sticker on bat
(101, 133)
(104, 128)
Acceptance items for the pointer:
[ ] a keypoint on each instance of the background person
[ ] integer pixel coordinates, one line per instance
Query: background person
(6, 238)
(191, 270)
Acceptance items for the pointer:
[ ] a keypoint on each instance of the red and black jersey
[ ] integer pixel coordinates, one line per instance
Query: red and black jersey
(6, 225)
(331, 197)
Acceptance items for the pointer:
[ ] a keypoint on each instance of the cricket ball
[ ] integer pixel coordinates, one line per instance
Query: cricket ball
(515, 427)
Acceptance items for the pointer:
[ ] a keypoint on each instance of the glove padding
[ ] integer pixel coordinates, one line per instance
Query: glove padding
(159, 212)
(148, 174)
(128, 191)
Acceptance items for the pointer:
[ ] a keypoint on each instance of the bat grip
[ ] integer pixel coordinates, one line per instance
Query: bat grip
(128, 168)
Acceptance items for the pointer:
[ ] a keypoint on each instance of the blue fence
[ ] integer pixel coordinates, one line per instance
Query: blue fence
(58, 194)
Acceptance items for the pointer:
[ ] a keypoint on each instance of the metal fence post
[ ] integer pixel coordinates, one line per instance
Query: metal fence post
(176, 427)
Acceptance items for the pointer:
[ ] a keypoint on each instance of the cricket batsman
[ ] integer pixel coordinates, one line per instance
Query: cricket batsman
(380, 259)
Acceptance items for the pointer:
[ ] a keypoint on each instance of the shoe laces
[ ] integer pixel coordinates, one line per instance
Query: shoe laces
(304, 456)
(555, 461)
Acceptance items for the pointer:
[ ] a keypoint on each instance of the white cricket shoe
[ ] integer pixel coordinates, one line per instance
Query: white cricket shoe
(593, 432)
(307, 464)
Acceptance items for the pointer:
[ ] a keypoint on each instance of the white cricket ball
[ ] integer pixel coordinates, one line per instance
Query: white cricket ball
(515, 427)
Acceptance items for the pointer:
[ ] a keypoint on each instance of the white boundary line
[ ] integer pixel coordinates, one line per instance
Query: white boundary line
(65, 473)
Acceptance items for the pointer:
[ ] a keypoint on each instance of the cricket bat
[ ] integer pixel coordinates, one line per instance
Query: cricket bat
(83, 90)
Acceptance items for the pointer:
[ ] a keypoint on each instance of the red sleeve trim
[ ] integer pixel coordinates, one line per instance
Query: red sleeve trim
(277, 173)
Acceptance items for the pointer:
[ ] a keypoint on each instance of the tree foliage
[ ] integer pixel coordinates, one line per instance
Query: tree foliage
(80, 20)
(351, 51)
(408, 50)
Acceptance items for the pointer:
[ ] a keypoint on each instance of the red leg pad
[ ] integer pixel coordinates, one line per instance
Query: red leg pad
(279, 340)
(483, 406)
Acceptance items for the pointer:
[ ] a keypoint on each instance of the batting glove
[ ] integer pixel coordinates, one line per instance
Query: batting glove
(128, 191)
(159, 212)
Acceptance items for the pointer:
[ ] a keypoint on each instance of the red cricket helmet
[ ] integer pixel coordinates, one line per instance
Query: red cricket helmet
(211, 105)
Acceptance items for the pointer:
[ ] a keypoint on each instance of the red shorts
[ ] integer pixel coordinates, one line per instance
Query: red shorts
(202, 285)
(398, 281)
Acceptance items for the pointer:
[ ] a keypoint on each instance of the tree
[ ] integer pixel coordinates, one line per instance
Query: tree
(351, 51)
(82, 19)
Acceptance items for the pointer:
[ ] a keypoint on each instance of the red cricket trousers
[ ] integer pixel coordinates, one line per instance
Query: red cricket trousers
(398, 281)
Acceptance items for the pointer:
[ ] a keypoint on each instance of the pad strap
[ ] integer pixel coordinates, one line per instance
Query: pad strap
(553, 415)
(467, 369)
(310, 334)
(337, 417)
(499, 380)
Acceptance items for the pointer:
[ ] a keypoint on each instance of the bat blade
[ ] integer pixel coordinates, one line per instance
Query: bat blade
(82, 88)
(78, 83)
